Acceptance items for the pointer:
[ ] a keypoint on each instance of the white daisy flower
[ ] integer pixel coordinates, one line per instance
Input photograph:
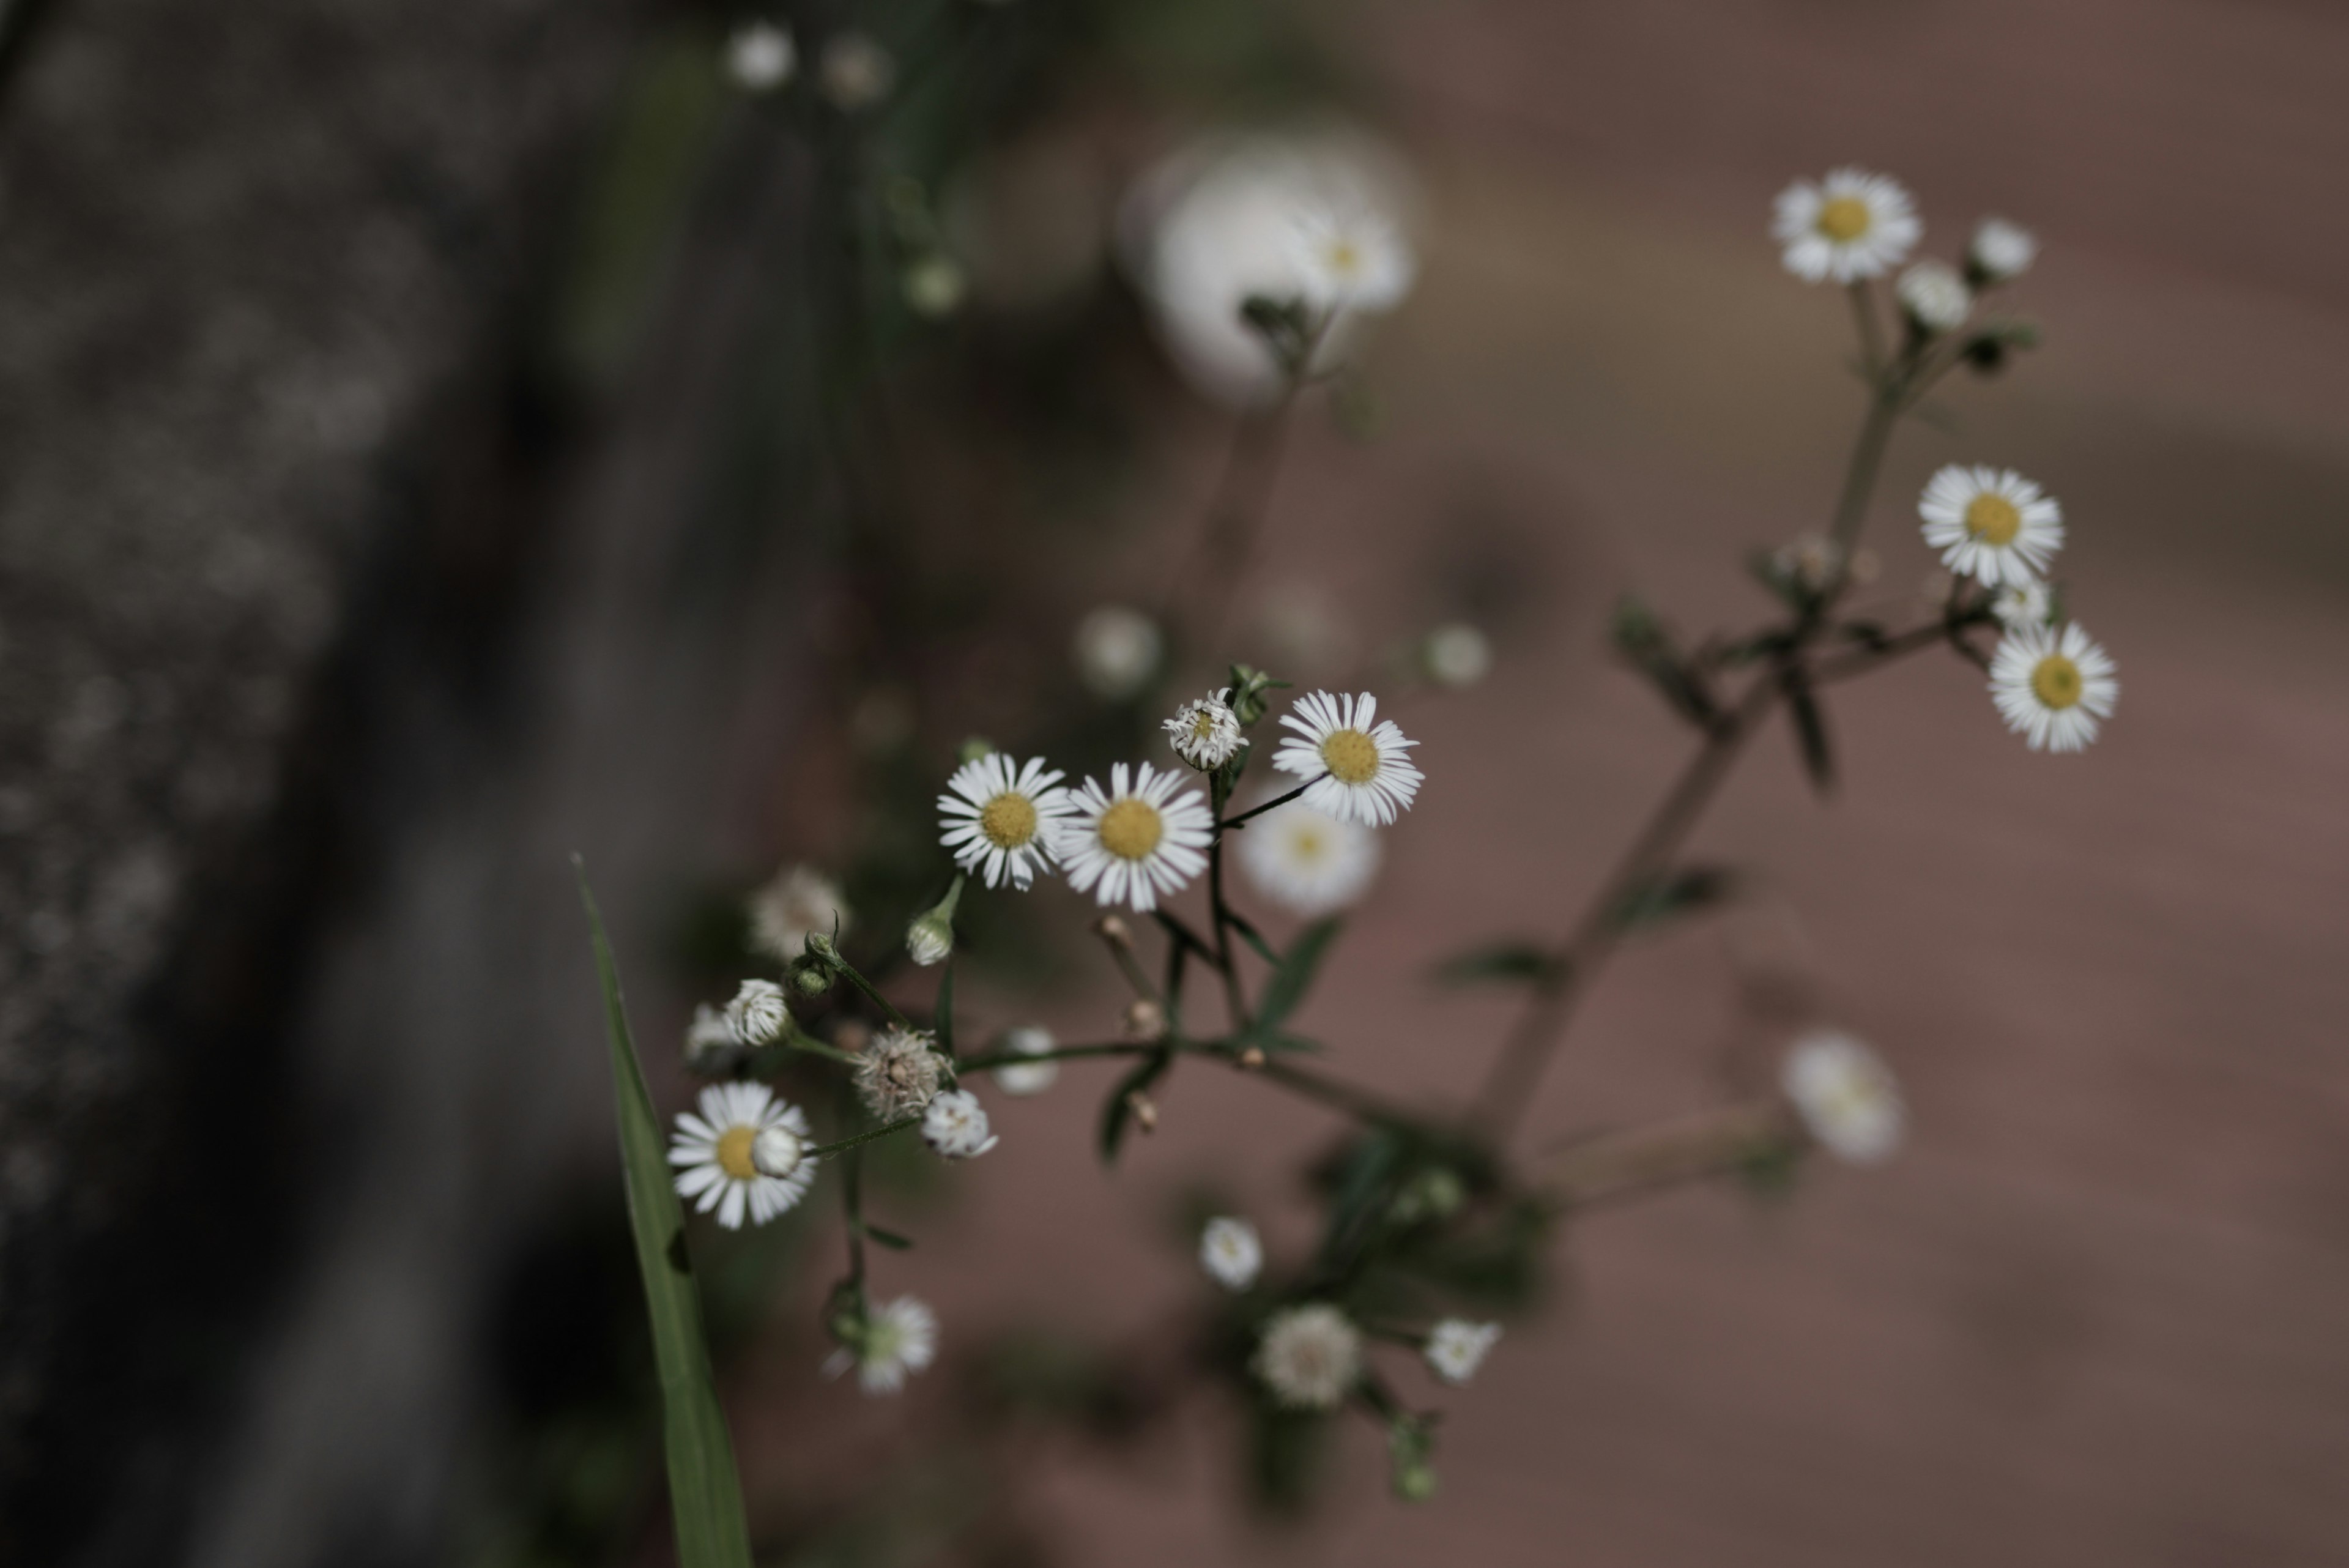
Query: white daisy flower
(1850, 226)
(709, 1039)
(1117, 651)
(1310, 1356)
(2025, 603)
(1350, 255)
(1206, 733)
(2053, 685)
(955, 1126)
(1360, 770)
(2002, 250)
(1936, 298)
(1135, 840)
(799, 902)
(999, 816)
(1456, 1348)
(897, 1073)
(757, 1015)
(747, 1151)
(1456, 654)
(856, 72)
(1846, 1097)
(1028, 1077)
(1230, 1252)
(1307, 861)
(1991, 524)
(760, 57)
(899, 1337)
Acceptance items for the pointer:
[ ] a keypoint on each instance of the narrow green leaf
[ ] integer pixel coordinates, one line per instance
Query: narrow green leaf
(1811, 734)
(1293, 976)
(1117, 1111)
(1253, 938)
(1648, 645)
(705, 1492)
(1505, 960)
(889, 1239)
(1671, 894)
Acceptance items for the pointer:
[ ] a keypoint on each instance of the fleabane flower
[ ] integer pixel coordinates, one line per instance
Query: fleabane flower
(2053, 685)
(2027, 603)
(1230, 1252)
(1136, 840)
(1935, 297)
(1310, 1356)
(1456, 1348)
(1456, 654)
(1307, 861)
(997, 816)
(1850, 226)
(1028, 1077)
(760, 57)
(1356, 760)
(1350, 255)
(745, 1152)
(2001, 250)
(897, 1073)
(1206, 733)
(800, 901)
(955, 1126)
(896, 1338)
(1991, 524)
(755, 1017)
(1846, 1096)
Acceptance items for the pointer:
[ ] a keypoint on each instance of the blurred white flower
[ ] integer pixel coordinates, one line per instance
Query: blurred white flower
(800, 900)
(1846, 1096)
(1351, 257)
(2002, 250)
(1850, 226)
(1936, 298)
(1136, 840)
(933, 286)
(1117, 651)
(1230, 1252)
(1456, 1348)
(1307, 861)
(856, 72)
(1356, 760)
(999, 815)
(756, 1015)
(1310, 1356)
(716, 1154)
(1028, 1077)
(955, 1126)
(1991, 524)
(1456, 654)
(709, 1037)
(2053, 686)
(760, 57)
(2026, 603)
(1205, 732)
(897, 1074)
(899, 1337)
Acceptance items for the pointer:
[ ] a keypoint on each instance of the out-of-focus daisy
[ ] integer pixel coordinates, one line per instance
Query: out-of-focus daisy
(1456, 654)
(1135, 840)
(1456, 1348)
(1028, 1077)
(855, 71)
(1991, 524)
(760, 57)
(933, 286)
(997, 816)
(1310, 1356)
(1356, 758)
(2053, 686)
(1307, 861)
(709, 1040)
(1936, 298)
(1850, 226)
(745, 1152)
(2027, 603)
(756, 1015)
(1205, 732)
(1350, 255)
(1846, 1096)
(1230, 1252)
(897, 1338)
(800, 900)
(898, 1073)
(1117, 651)
(955, 1126)
(2001, 250)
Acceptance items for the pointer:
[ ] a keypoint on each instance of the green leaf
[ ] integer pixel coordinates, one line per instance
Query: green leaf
(1253, 938)
(1811, 734)
(705, 1492)
(1504, 961)
(1671, 894)
(1643, 640)
(1117, 1112)
(889, 1239)
(1293, 976)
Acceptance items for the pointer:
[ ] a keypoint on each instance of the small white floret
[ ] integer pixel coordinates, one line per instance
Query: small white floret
(1310, 1356)
(2002, 250)
(1117, 651)
(760, 57)
(1230, 1252)
(1936, 298)
(897, 1338)
(1846, 1096)
(1456, 1348)
(955, 1126)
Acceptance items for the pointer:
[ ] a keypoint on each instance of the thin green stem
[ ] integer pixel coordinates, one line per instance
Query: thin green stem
(1235, 998)
(870, 1134)
(1241, 820)
(861, 984)
(1057, 1054)
(1871, 336)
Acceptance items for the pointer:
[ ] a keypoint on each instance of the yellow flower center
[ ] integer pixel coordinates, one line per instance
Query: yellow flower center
(1307, 845)
(1844, 219)
(1993, 519)
(2056, 681)
(1344, 257)
(1351, 756)
(1008, 821)
(1203, 724)
(1131, 828)
(734, 1152)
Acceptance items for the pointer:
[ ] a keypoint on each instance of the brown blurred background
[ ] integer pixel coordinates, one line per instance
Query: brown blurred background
(330, 628)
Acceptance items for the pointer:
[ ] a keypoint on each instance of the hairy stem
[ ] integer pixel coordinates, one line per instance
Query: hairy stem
(1688, 1148)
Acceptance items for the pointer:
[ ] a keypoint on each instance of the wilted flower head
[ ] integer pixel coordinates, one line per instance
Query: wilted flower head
(1206, 733)
(2001, 250)
(1936, 298)
(800, 900)
(898, 1073)
(1846, 1096)
(760, 57)
(1310, 1356)
(1456, 1348)
(896, 1338)
(757, 1015)
(1028, 1077)
(1230, 1252)
(955, 1126)
(1117, 651)
(856, 72)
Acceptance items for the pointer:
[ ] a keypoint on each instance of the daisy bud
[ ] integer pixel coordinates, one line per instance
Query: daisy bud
(1113, 929)
(1145, 1021)
(1249, 686)
(1935, 297)
(1252, 1058)
(760, 57)
(1206, 733)
(811, 979)
(2001, 250)
(756, 1015)
(1145, 1111)
(930, 937)
(1408, 1446)
(955, 1126)
(1456, 1348)
(1230, 1252)
(778, 1151)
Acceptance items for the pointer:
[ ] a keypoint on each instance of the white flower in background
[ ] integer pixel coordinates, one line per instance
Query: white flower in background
(1206, 733)
(2002, 250)
(1307, 861)
(1138, 838)
(1991, 524)
(1117, 651)
(999, 815)
(933, 286)
(955, 1126)
(1356, 759)
(1350, 257)
(1850, 226)
(1936, 298)
(1846, 1096)
(757, 1015)
(1310, 1356)
(716, 1154)
(899, 1337)
(760, 57)
(709, 1036)
(799, 902)
(2025, 603)
(2053, 686)
(1456, 654)
(897, 1074)
(856, 72)
(1230, 1252)
(1028, 1077)
(1221, 221)
(1456, 1348)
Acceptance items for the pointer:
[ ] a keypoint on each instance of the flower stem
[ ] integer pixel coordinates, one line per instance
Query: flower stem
(867, 1136)
(1241, 820)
